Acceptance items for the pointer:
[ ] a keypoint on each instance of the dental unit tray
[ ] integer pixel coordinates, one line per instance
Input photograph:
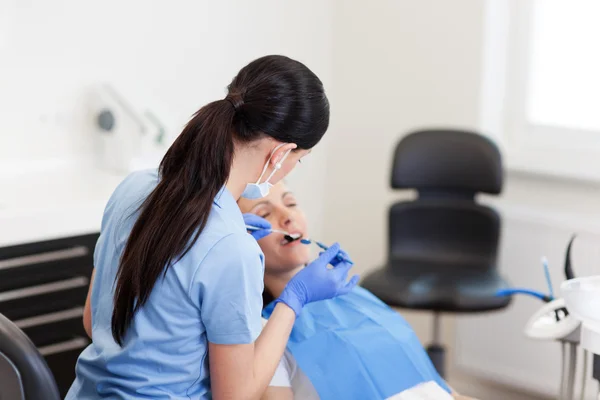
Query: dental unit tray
(553, 322)
(556, 321)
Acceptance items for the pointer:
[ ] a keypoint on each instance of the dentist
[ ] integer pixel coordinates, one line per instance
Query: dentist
(174, 306)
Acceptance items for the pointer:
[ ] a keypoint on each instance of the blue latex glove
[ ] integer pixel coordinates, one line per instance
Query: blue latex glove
(341, 257)
(318, 282)
(259, 222)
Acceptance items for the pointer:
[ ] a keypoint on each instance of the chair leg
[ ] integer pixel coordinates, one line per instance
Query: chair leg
(436, 351)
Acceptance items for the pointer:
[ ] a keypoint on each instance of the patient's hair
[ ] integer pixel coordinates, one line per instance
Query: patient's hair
(267, 297)
(273, 96)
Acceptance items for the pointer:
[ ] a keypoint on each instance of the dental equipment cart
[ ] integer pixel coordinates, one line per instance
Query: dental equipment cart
(573, 320)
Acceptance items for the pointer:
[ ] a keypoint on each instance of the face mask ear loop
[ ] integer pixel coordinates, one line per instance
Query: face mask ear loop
(278, 165)
(268, 161)
(264, 170)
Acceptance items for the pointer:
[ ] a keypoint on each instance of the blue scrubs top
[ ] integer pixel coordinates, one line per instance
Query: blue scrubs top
(214, 293)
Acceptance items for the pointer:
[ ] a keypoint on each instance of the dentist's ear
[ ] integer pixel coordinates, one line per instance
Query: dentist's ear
(280, 153)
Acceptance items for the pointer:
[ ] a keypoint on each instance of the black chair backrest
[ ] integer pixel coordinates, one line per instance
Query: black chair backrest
(447, 162)
(18, 353)
(444, 227)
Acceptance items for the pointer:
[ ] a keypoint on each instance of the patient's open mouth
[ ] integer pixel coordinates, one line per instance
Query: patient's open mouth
(292, 237)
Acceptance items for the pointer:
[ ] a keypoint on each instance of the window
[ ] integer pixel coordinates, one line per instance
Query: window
(541, 85)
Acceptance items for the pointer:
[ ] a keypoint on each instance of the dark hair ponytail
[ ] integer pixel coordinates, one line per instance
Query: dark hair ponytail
(274, 96)
(192, 171)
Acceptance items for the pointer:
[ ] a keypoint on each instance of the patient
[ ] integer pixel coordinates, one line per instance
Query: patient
(353, 346)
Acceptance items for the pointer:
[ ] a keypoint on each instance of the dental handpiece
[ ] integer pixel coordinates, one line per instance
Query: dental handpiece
(286, 235)
(324, 247)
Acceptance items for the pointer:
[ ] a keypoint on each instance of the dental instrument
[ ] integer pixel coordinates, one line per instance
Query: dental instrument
(547, 273)
(340, 257)
(290, 237)
(310, 282)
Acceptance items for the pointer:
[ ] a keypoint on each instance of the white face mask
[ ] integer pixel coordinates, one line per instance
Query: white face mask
(259, 190)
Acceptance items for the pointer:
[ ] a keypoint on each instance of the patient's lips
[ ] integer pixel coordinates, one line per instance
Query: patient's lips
(296, 235)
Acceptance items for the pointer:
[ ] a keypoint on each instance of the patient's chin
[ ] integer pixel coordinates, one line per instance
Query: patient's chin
(286, 264)
(280, 268)
(294, 254)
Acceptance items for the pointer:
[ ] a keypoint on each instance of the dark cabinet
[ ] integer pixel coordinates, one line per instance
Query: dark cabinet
(43, 287)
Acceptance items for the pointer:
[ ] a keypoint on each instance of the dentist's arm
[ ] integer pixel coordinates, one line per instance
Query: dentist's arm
(87, 309)
(280, 387)
(243, 371)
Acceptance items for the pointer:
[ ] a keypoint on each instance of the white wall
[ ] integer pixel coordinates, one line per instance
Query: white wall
(171, 57)
(399, 65)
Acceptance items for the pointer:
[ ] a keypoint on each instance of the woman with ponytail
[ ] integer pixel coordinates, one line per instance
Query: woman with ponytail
(174, 306)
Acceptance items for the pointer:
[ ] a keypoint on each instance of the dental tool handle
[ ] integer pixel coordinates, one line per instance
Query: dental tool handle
(286, 235)
(339, 256)
(255, 228)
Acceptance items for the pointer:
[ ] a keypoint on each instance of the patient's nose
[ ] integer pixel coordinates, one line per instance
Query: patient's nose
(286, 219)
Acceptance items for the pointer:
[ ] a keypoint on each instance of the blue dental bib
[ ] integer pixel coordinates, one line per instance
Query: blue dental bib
(356, 347)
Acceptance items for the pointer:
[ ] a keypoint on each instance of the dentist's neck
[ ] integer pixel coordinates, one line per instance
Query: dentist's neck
(248, 163)
(276, 282)
(242, 172)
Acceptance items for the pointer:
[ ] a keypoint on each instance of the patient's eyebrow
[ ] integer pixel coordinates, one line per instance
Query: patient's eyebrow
(286, 194)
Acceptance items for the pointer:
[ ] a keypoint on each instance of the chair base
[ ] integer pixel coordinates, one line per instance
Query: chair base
(437, 355)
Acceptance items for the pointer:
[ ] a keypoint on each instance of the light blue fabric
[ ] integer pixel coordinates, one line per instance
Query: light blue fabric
(214, 293)
(356, 347)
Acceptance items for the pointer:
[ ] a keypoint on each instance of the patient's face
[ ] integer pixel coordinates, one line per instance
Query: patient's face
(281, 209)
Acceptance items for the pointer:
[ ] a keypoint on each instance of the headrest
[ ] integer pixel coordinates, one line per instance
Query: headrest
(447, 160)
(38, 382)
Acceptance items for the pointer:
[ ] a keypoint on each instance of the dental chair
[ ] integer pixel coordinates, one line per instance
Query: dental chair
(443, 245)
(24, 375)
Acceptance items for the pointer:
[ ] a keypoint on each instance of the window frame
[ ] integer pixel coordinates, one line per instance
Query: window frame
(532, 149)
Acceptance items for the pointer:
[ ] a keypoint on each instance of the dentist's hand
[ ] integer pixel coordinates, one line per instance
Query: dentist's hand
(341, 257)
(258, 222)
(318, 281)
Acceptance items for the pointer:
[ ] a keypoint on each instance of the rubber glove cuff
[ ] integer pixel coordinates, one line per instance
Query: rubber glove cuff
(257, 222)
(291, 299)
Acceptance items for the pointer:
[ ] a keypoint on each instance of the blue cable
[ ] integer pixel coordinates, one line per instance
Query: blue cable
(530, 292)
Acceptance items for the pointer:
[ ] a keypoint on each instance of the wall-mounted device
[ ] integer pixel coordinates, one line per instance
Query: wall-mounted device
(121, 131)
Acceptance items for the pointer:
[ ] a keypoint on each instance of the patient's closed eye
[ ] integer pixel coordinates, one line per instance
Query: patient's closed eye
(262, 210)
(289, 200)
